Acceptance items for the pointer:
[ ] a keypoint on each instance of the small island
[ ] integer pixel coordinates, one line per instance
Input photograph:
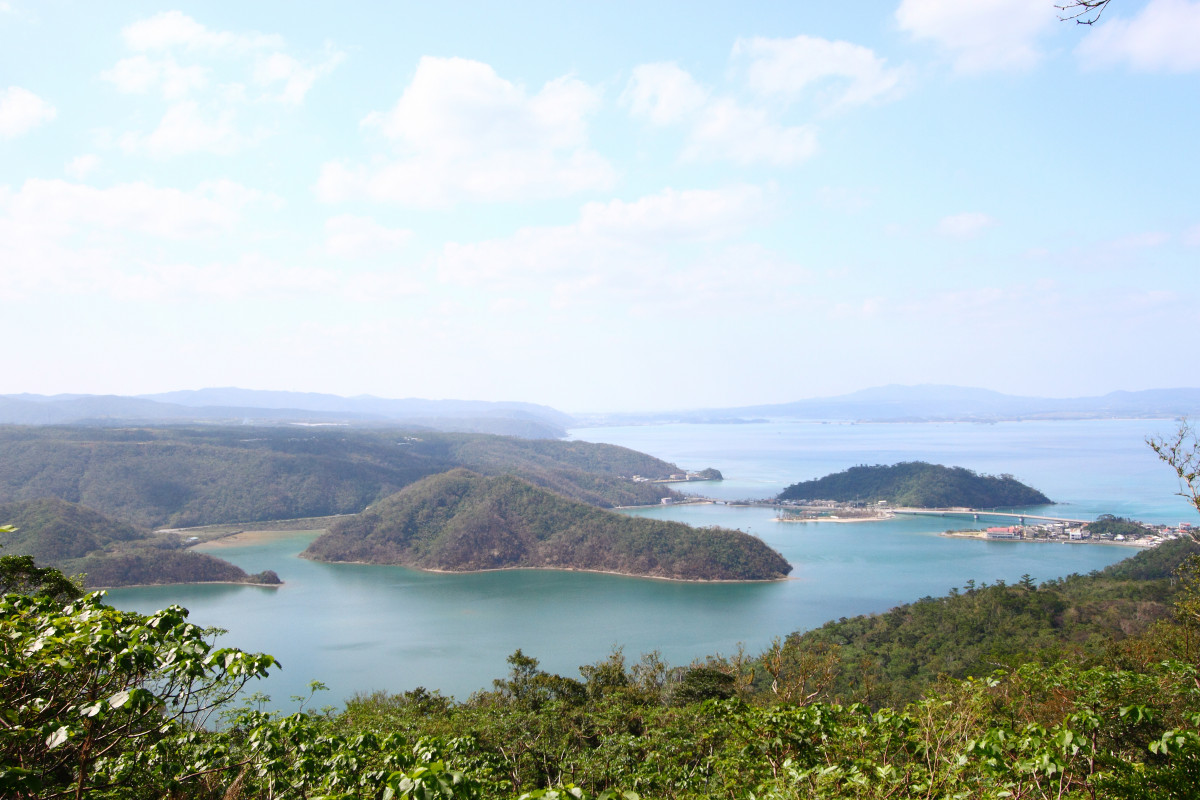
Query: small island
(917, 484)
(461, 521)
(77, 540)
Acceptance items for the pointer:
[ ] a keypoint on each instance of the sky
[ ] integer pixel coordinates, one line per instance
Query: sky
(600, 207)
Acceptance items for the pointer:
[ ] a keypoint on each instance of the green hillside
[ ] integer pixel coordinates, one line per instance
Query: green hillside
(891, 658)
(79, 541)
(918, 484)
(182, 477)
(463, 521)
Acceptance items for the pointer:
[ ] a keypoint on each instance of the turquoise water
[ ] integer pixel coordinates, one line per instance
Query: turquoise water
(360, 628)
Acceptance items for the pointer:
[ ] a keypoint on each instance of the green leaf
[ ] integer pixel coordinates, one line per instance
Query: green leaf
(58, 737)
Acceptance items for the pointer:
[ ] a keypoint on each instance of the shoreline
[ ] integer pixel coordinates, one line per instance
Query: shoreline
(982, 536)
(877, 518)
(186, 583)
(697, 502)
(556, 569)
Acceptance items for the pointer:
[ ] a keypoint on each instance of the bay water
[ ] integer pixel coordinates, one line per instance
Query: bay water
(359, 628)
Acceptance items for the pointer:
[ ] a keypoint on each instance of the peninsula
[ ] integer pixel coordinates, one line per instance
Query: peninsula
(917, 484)
(461, 521)
(77, 540)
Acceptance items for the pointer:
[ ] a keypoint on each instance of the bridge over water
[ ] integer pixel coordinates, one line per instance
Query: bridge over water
(976, 514)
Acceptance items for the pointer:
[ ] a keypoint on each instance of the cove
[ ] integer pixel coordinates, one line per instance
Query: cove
(360, 628)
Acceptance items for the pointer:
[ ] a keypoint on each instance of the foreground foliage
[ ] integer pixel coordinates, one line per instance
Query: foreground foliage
(98, 702)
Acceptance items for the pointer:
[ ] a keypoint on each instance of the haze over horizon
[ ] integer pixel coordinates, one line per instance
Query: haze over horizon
(615, 207)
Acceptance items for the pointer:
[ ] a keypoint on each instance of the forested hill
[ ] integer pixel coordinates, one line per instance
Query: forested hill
(193, 476)
(892, 658)
(463, 521)
(918, 484)
(80, 541)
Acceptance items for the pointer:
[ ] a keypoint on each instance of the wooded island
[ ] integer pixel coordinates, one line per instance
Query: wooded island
(460, 521)
(917, 484)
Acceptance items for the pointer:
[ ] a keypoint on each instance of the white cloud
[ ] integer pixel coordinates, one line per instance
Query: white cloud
(1164, 37)
(1192, 235)
(719, 127)
(57, 236)
(293, 77)
(348, 236)
(694, 215)
(670, 247)
(138, 242)
(725, 129)
(21, 111)
(965, 226)
(172, 29)
(785, 68)
(139, 75)
(82, 166)
(663, 93)
(982, 34)
(220, 86)
(185, 129)
(465, 133)
(61, 208)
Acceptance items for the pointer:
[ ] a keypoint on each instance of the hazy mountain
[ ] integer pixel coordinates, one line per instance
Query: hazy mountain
(409, 408)
(240, 405)
(932, 402)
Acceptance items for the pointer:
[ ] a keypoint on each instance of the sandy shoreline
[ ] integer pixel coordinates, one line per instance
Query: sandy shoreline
(879, 518)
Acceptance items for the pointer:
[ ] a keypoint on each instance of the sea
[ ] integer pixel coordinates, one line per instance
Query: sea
(359, 628)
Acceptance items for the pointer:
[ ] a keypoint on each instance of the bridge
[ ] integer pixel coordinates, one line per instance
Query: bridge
(976, 514)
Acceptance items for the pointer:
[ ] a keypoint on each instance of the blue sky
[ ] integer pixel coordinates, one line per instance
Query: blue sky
(615, 206)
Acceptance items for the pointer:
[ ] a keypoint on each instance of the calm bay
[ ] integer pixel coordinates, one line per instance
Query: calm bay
(359, 628)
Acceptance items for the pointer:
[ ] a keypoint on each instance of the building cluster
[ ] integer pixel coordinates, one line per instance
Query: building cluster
(1062, 532)
(673, 478)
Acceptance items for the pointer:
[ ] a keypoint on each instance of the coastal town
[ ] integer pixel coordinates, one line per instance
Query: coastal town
(1106, 529)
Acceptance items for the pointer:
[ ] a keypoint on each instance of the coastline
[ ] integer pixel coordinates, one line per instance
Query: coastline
(703, 501)
(982, 536)
(186, 583)
(556, 569)
(878, 518)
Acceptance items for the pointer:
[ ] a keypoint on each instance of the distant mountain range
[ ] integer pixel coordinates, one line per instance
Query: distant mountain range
(231, 405)
(928, 403)
(925, 403)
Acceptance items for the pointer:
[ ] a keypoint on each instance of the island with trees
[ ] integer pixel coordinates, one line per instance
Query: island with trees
(462, 521)
(917, 484)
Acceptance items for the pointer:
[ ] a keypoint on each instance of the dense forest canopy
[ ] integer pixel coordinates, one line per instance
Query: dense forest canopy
(463, 521)
(1117, 526)
(193, 476)
(82, 542)
(917, 484)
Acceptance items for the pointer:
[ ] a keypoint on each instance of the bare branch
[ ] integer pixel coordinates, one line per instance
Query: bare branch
(1084, 12)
